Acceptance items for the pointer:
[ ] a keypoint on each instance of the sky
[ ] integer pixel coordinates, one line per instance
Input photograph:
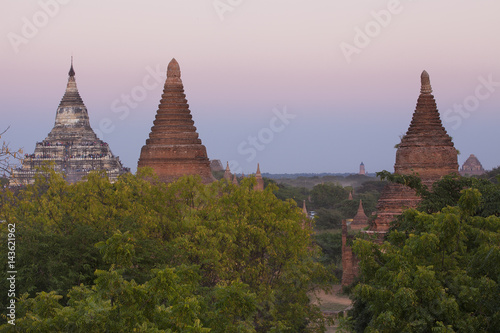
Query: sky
(297, 86)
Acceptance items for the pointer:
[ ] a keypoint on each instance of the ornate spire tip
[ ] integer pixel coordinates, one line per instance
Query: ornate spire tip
(173, 69)
(71, 70)
(425, 83)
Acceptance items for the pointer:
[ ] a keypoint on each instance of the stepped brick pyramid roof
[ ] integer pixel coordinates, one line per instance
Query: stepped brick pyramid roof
(71, 146)
(216, 165)
(426, 150)
(360, 220)
(173, 148)
(472, 167)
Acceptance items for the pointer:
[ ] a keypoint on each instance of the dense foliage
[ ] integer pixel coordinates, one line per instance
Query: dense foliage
(141, 256)
(492, 175)
(330, 243)
(438, 271)
(331, 202)
(447, 192)
(333, 205)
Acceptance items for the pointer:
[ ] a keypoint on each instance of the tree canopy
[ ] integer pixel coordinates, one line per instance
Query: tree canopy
(138, 255)
(434, 272)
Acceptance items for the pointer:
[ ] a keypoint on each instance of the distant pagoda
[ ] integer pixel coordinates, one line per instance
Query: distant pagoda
(260, 181)
(362, 169)
(71, 147)
(472, 167)
(360, 220)
(425, 150)
(227, 172)
(216, 166)
(173, 148)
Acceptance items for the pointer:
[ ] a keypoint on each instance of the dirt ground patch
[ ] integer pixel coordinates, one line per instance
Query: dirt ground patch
(332, 302)
(335, 296)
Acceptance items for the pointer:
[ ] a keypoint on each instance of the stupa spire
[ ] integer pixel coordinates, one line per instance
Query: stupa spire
(72, 118)
(173, 148)
(360, 208)
(71, 70)
(425, 83)
(360, 220)
(260, 181)
(173, 69)
(227, 172)
(71, 96)
(426, 148)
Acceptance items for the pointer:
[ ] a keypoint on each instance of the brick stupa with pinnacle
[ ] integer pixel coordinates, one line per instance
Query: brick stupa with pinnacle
(425, 150)
(227, 172)
(260, 181)
(174, 148)
(360, 220)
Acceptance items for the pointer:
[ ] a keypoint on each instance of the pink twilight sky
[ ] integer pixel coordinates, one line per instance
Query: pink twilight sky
(343, 76)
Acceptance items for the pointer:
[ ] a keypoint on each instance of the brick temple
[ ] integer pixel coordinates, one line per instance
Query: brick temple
(360, 220)
(472, 167)
(71, 147)
(174, 148)
(425, 150)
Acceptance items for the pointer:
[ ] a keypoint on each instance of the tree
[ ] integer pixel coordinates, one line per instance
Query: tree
(6, 154)
(328, 219)
(371, 186)
(492, 175)
(447, 192)
(331, 247)
(327, 195)
(284, 192)
(435, 272)
(140, 255)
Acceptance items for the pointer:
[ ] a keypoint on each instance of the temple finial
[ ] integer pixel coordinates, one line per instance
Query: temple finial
(425, 83)
(260, 181)
(227, 172)
(173, 69)
(71, 70)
